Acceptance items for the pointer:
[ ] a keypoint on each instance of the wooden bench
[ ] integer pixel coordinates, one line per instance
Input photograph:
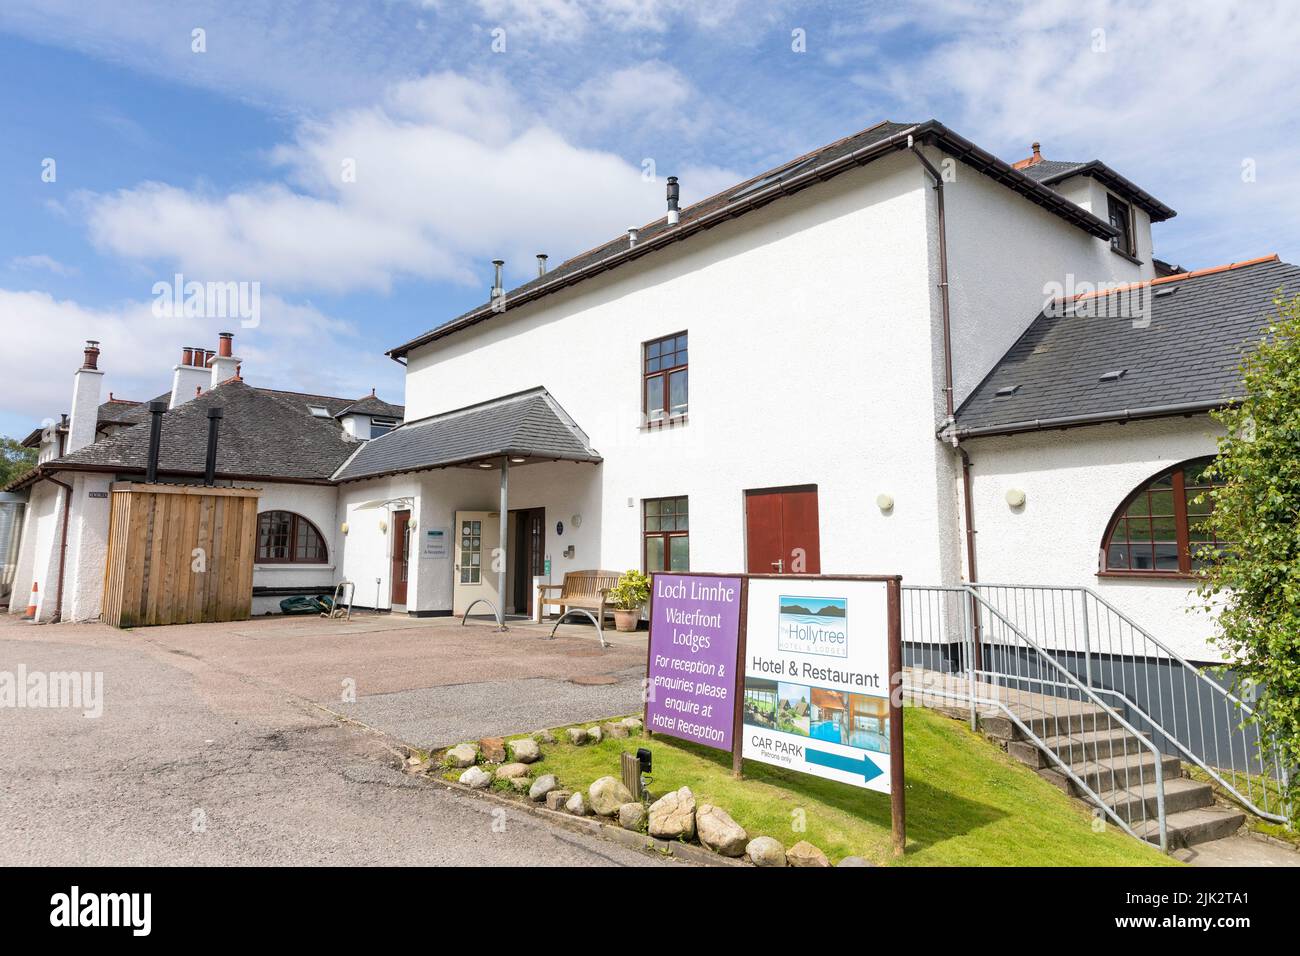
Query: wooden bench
(583, 592)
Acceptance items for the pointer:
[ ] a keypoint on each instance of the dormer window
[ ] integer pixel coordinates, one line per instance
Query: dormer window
(1121, 217)
(381, 426)
(320, 411)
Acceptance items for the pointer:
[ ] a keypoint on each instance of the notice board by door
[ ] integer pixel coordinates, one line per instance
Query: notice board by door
(781, 531)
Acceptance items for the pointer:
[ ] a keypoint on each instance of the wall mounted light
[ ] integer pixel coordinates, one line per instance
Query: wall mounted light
(885, 503)
(518, 460)
(1015, 498)
(576, 521)
(343, 527)
(383, 526)
(411, 524)
(485, 464)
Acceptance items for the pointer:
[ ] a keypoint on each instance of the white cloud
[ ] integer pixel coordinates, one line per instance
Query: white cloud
(42, 261)
(295, 347)
(449, 173)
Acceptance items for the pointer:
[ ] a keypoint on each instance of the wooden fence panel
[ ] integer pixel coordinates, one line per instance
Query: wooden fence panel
(179, 554)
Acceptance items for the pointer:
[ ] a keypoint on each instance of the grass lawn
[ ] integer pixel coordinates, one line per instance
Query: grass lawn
(968, 804)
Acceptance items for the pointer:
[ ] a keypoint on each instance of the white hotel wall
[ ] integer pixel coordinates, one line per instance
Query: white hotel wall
(1073, 481)
(319, 505)
(812, 361)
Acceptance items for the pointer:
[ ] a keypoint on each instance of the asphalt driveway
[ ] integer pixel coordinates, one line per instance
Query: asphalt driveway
(240, 743)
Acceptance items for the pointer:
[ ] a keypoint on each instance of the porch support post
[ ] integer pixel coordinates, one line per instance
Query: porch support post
(501, 553)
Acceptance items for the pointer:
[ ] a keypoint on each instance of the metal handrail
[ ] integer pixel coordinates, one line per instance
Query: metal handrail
(1185, 748)
(1076, 684)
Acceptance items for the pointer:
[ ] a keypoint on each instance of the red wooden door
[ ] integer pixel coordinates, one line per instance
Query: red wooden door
(401, 554)
(781, 531)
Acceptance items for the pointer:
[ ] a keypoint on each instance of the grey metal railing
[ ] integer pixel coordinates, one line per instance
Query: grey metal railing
(1187, 711)
(991, 663)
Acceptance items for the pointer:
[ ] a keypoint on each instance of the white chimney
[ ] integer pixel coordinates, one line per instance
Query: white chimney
(85, 401)
(224, 364)
(190, 377)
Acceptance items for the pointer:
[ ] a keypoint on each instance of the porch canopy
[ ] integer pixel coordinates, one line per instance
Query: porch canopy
(517, 429)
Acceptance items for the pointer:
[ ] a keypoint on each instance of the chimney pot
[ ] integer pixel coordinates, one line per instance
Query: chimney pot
(541, 263)
(187, 356)
(632, 235)
(91, 355)
(224, 344)
(496, 279)
(674, 194)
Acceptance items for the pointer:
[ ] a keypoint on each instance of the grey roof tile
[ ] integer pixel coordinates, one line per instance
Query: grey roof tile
(529, 423)
(1190, 352)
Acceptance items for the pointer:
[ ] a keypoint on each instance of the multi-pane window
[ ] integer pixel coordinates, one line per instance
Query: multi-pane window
(666, 530)
(1162, 527)
(664, 378)
(287, 538)
(471, 552)
(1121, 217)
(381, 426)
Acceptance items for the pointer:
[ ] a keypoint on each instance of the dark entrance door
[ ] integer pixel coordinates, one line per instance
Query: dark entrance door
(529, 557)
(781, 531)
(401, 554)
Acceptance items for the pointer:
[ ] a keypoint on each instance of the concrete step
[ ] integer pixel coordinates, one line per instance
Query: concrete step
(1114, 773)
(1138, 802)
(1070, 719)
(1190, 827)
(1077, 747)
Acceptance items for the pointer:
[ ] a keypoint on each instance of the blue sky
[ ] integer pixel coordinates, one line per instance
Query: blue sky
(227, 163)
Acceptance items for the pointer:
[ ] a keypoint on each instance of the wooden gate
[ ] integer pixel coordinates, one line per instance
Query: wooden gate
(179, 554)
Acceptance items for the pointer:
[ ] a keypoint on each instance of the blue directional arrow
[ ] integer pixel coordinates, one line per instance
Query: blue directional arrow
(863, 765)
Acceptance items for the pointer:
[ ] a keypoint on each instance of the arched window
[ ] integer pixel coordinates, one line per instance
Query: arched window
(287, 538)
(1160, 527)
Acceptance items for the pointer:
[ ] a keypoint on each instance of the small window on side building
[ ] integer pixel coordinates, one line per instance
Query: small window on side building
(1121, 217)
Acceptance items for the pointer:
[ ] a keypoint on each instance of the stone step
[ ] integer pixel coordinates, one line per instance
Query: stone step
(1190, 827)
(1138, 802)
(1114, 773)
(1077, 747)
(1070, 719)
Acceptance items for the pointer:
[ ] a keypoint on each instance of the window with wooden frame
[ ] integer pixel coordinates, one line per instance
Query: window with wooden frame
(1160, 529)
(664, 383)
(287, 538)
(666, 531)
(1121, 217)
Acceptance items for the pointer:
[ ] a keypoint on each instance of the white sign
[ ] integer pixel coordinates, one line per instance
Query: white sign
(816, 694)
(435, 543)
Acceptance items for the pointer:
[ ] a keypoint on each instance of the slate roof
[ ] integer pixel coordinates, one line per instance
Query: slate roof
(790, 177)
(1049, 172)
(370, 405)
(263, 435)
(529, 424)
(1186, 359)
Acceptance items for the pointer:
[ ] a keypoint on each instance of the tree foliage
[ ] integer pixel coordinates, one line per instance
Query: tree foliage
(14, 459)
(1255, 579)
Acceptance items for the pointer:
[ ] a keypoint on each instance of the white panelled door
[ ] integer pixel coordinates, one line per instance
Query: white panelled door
(478, 535)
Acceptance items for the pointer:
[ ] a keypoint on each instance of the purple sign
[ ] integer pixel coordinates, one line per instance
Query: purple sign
(694, 627)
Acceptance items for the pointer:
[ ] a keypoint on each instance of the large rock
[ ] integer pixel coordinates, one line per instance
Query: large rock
(718, 832)
(462, 755)
(520, 784)
(542, 786)
(608, 794)
(510, 771)
(556, 799)
(631, 816)
(493, 749)
(613, 730)
(524, 750)
(854, 861)
(544, 737)
(577, 736)
(672, 816)
(595, 734)
(577, 804)
(476, 778)
(633, 725)
(804, 853)
(765, 851)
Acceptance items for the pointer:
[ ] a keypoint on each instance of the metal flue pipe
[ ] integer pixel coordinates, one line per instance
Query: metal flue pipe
(215, 414)
(156, 409)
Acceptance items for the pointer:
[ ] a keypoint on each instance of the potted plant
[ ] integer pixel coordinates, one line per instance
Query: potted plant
(627, 598)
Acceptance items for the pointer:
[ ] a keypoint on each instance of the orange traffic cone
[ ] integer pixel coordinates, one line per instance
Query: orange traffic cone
(31, 608)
